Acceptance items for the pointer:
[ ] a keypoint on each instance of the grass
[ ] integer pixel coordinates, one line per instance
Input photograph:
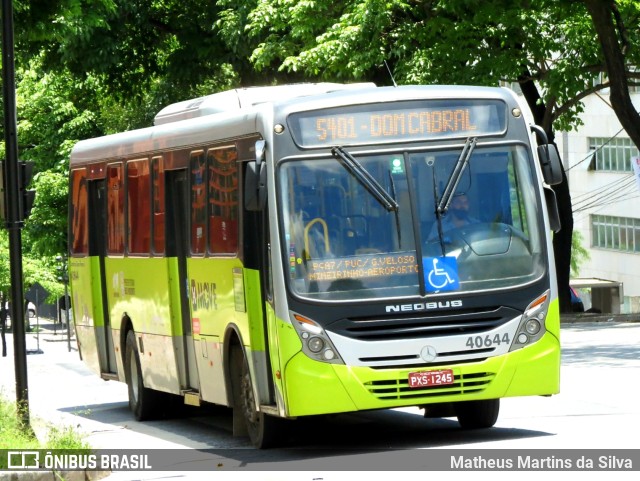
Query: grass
(15, 436)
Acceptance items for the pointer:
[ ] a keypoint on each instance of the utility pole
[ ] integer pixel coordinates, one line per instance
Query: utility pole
(14, 212)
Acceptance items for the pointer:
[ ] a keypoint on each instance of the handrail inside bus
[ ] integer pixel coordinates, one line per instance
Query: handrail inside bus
(325, 228)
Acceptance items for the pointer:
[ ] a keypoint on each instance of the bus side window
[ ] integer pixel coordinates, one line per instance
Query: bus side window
(139, 202)
(79, 215)
(115, 209)
(158, 205)
(223, 200)
(198, 202)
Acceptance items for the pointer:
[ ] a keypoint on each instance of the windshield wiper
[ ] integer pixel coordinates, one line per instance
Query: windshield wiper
(361, 174)
(456, 175)
(452, 184)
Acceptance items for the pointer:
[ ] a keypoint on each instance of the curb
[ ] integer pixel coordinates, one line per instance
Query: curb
(593, 317)
(53, 475)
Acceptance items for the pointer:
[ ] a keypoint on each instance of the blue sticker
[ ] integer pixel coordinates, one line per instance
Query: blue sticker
(441, 273)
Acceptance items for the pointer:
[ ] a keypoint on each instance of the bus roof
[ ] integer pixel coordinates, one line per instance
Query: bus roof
(234, 113)
(237, 99)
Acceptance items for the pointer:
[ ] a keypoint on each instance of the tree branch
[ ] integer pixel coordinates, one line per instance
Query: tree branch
(603, 17)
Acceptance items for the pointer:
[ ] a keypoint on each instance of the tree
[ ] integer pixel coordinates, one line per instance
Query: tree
(578, 253)
(104, 66)
(131, 46)
(545, 46)
(609, 23)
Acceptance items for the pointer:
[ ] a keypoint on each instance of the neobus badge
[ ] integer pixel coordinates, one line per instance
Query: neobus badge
(423, 306)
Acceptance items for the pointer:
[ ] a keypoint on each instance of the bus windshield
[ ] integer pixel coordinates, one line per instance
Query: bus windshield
(341, 243)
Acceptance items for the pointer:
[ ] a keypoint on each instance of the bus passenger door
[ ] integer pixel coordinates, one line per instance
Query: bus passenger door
(177, 249)
(97, 253)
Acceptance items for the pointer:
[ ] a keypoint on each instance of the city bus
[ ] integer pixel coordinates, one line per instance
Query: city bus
(296, 250)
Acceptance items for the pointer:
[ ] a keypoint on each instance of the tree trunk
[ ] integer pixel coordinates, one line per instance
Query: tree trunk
(562, 238)
(610, 32)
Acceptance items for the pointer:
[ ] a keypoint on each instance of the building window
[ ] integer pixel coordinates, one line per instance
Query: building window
(613, 154)
(616, 233)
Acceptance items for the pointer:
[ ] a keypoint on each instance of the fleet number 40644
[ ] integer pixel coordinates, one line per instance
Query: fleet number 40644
(479, 342)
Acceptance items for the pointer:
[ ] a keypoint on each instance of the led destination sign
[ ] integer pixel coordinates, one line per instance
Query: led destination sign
(362, 267)
(405, 121)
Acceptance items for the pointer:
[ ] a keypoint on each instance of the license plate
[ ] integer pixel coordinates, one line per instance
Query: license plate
(431, 378)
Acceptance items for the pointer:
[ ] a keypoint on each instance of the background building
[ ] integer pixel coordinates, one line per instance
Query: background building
(606, 201)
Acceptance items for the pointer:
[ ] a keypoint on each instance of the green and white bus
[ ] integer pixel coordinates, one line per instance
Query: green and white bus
(292, 251)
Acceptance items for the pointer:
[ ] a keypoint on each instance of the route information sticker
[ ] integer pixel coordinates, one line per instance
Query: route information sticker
(360, 267)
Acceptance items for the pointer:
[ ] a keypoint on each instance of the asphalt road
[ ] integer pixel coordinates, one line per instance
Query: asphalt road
(598, 409)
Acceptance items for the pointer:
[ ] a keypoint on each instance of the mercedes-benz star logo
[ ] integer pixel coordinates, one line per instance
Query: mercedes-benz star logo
(429, 353)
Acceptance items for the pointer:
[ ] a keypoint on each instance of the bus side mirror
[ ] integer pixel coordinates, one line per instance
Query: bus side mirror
(255, 186)
(552, 209)
(548, 156)
(550, 163)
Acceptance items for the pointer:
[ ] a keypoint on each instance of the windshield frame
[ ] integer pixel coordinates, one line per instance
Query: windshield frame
(406, 150)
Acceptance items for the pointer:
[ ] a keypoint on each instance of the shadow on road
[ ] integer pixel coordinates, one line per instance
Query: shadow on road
(210, 427)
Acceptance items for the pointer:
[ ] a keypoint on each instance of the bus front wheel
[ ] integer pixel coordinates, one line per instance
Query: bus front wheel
(261, 428)
(477, 414)
(142, 401)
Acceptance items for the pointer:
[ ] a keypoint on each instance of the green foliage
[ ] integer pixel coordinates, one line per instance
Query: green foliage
(46, 228)
(14, 436)
(54, 112)
(87, 68)
(579, 254)
(65, 437)
(41, 269)
(454, 41)
(129, 45)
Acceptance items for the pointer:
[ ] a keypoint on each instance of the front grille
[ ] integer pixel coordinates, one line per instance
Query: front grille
(398, 389)
(471, 355)
(424, 324)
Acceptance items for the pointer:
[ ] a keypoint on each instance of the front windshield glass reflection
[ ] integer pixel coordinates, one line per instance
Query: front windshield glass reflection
(341, 243)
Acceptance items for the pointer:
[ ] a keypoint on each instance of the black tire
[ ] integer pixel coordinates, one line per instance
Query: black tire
(477, 414)
(262, 429)
(143, 402)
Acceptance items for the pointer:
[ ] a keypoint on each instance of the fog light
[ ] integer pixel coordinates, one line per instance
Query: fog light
(522, 338)
(315, 344)
(329, 354)
(532, 326)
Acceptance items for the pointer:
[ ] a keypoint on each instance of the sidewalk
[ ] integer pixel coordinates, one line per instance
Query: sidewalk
(63, 392)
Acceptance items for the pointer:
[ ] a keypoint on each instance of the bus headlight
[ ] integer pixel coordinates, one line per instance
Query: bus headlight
(315, 344)
(315, 341)
(532, 326)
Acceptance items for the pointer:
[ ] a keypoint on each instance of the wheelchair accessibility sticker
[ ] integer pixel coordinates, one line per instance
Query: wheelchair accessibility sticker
(441, 273)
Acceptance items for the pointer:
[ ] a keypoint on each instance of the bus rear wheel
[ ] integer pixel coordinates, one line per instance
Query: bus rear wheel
(261, 428)
(142, 400)
(477, 414)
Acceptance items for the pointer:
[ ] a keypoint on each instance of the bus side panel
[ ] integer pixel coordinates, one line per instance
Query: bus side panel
(275, 359)
(138, 290)
(257, 341)
(213, 306)
(87, 310)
